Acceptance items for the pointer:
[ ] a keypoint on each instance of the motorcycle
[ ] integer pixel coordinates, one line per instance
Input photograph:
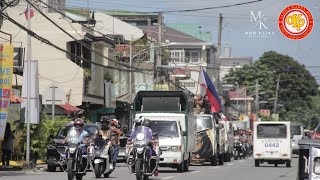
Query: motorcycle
(239, 150)
(141, 161)
(77, 162)
(102, 163)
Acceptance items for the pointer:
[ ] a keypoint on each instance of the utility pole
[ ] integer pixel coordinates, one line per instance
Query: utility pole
(28, 84)
(158, 60)
(276, 99)
(53, 99)
(219, 54)
(130, 74)
(257, 99)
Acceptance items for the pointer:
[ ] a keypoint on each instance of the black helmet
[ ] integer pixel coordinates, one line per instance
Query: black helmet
(147, 123)
(104, 120)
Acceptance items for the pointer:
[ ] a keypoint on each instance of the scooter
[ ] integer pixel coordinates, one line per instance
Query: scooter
(102, 164)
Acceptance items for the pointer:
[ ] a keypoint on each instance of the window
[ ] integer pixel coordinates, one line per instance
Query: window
(272, 131)
(165, 128)
(189, 84)
(296, 130)
(195, 56)
(177, 55)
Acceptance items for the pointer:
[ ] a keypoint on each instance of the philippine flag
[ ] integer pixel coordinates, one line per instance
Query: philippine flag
(211, 91)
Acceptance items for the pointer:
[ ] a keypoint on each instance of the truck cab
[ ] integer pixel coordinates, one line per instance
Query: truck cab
(171, 115)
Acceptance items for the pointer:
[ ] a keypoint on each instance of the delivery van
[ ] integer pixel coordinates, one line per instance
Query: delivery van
(272, 143)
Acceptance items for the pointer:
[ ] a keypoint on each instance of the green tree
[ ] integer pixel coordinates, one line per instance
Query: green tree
(297, 87)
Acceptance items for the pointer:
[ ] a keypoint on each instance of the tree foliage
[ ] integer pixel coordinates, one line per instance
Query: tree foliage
(297, 87)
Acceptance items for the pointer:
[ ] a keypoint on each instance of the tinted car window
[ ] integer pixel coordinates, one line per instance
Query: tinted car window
(296, 130)
(272, 131)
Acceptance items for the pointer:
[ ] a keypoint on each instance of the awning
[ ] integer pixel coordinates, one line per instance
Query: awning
(69, 108)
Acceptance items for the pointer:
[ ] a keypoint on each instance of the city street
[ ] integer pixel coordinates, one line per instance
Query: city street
(240, 169)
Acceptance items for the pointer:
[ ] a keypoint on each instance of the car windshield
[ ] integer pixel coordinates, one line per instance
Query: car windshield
(271, 131)
(91, 129)
(204, 122)
(296, 130)
(165, 128)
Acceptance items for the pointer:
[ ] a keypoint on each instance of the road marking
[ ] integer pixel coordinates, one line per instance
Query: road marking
(216, 167)
(194, 172)
(230, 164)
(169, 177)
(241, 161)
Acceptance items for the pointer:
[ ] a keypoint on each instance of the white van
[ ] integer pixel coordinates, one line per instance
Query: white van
(297, 132)
(272, 143)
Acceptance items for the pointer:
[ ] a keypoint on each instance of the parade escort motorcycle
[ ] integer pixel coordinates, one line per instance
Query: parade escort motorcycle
(141, 161)
(77, 161)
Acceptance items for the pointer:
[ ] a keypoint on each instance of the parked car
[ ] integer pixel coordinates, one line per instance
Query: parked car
(56, 147)
(297, 132)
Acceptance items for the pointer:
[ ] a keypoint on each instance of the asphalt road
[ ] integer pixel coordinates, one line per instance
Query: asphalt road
(234, 170)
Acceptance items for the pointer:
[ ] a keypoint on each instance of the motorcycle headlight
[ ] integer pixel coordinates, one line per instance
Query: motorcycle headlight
(140, 136)
(72, 150)
(140, 150)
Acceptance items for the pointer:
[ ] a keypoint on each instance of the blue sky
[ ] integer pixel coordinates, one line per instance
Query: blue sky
(236, 23)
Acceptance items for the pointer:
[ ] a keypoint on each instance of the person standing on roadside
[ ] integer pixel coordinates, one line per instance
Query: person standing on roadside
(7, 146)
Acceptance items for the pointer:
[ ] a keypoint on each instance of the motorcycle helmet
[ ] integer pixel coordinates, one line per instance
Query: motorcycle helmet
(104, 121)
(78, 123)
(115, 122)
(147, 123)
(139, 121)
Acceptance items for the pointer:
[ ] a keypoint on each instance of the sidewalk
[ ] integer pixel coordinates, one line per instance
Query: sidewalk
(19, 166)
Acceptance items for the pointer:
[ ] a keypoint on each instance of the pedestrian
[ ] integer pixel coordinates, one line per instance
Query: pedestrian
(7, 147)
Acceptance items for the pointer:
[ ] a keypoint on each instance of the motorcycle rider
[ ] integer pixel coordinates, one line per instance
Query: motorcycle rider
(105, 133)
(141, 121)
(84, 136)
(115, 139)
(244, 139)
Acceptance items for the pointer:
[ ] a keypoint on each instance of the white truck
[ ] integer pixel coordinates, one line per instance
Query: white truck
(272, 143)
(228, 133)
(171, 115)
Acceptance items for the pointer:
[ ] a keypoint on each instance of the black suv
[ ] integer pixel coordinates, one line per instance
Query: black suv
(56, 148)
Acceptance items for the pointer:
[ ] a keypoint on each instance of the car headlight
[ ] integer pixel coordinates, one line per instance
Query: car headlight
(174, 148)
(140, 136)
(72, 150)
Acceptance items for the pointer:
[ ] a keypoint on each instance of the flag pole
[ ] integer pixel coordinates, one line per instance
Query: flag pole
(28, 83)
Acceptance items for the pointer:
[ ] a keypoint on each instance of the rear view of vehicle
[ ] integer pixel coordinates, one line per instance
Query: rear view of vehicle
(297, 132)
(272, 143)
(206, 141)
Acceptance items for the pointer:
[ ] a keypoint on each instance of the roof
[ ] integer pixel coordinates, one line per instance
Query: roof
(234, 95)
(193, 30)
(128, 13)
(107, 24)
(171, 34)
(69, 108)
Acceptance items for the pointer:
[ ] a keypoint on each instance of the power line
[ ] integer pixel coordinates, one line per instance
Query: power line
(46, 41)
(92, 50)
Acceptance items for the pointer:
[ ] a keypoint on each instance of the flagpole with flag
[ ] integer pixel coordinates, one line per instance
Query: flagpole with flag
(213, 96)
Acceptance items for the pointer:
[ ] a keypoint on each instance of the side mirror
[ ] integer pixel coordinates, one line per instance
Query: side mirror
(128, 135)
(184, 133)
(155, 134)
